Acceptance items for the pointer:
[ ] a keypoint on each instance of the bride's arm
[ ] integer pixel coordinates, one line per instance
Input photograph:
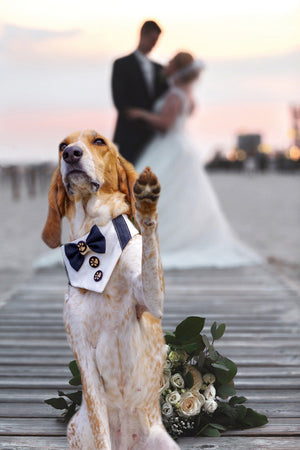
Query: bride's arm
(163, 120)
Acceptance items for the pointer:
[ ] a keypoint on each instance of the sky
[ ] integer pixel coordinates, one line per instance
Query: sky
(56, 58)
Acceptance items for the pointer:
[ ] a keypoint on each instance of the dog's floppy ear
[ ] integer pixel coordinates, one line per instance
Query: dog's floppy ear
(126, 177)
(51, 234)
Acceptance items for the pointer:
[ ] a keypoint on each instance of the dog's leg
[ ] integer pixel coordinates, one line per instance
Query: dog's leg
(146, 192)
(94, 396)
(92, 388)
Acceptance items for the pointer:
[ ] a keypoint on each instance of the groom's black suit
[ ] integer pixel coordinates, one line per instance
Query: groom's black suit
(130, 90)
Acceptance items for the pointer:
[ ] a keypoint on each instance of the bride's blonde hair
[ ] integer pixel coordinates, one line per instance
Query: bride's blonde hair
(181, 62)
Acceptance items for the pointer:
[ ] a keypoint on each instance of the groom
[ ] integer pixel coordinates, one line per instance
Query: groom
(136, 82)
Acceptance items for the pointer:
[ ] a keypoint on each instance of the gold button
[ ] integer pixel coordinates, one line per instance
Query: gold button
(98, 275)
(94, 261)
(81, 246)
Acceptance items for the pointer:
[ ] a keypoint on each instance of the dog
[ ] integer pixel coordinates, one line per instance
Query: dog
(115, 334)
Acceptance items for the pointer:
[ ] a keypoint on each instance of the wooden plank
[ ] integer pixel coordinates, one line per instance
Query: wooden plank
(31, 427)
(240, 382)
(229, 351)
(260, 372)
(33, 443)
(23, 410)
(20, 395)
(64, 359)
(224, 443)
(271, 345)
(53, 427)
(43, 410)
(238, 443)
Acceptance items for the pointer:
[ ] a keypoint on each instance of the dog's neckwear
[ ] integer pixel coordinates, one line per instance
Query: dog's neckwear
(90, 260)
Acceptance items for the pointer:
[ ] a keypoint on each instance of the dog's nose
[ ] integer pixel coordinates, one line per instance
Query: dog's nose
(72, 154)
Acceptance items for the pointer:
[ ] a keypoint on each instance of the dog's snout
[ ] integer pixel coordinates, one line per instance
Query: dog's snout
(72, 154)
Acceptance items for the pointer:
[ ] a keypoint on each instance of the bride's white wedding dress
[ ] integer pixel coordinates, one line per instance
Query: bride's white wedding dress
(193, 230)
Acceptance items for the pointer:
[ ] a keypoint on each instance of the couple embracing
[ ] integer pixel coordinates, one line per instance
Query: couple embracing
(137, 83)
(153, 106)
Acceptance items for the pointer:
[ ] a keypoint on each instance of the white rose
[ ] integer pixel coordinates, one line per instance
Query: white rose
(174, 356)
(167, 409)
(164, 382)
(168, 349)
(209, 378)
(177, 381)
(189, 405)
(210, 392)
(173, 398)
(168, 364)
(200, 397)
(210, 406)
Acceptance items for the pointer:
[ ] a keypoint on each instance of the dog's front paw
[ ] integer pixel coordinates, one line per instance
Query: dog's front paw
(146, 192)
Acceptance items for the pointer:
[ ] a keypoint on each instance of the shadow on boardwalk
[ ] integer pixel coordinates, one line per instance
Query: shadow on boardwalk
(262, 315)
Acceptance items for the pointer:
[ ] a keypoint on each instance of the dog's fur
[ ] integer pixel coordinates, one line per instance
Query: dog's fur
(116, 336)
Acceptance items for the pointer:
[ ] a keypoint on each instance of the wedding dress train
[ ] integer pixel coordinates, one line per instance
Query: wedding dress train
(193, 230)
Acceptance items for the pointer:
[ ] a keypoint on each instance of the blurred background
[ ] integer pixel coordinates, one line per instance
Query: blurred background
(55, 69)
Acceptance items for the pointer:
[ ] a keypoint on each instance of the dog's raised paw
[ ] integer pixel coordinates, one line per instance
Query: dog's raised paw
(146, 187)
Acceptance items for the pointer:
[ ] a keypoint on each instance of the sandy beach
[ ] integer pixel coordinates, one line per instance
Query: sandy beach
(263, 209)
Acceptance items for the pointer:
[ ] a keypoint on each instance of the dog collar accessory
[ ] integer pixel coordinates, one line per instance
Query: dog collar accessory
(91, 259)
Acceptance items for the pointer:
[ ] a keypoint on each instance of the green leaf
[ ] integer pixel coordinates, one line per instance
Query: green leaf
(76, 397)
(241, 412)
(220, 366)
(201, 359)
(190, 348)
(217, 426)
(253, 419)
(213, 329)
(169, 333)
(70, 412)
(225, 390)
(188, 380)
(205, 340)
(61, 393)
(76, 381)
(194, 346)
(222, 376)
(171, 339)
(57, 403)
(74, 368)
(213, 353)
(211, 432)
(189, 327)
(237, 400)
(220, 331)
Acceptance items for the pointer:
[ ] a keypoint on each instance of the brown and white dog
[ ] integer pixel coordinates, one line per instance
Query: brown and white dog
(116, 335)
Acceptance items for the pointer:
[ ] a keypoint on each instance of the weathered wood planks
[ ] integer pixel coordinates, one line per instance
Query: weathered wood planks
(261, 312)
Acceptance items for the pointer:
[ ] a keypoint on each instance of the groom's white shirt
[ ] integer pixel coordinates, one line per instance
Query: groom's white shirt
(147, 69)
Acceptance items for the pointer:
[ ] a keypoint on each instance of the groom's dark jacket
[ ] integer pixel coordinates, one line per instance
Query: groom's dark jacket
(129, 89)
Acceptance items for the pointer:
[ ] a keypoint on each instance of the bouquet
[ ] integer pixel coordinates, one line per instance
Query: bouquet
(197, 395)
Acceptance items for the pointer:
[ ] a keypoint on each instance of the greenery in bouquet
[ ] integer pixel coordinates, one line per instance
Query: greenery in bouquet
(197, 395)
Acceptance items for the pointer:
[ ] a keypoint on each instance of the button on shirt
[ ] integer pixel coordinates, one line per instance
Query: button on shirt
(147, 69)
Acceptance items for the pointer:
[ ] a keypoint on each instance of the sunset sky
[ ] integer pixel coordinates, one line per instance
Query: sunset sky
(56, 57)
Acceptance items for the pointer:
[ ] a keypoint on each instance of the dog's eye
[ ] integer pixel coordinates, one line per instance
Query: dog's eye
(99, 141)
(62, 146)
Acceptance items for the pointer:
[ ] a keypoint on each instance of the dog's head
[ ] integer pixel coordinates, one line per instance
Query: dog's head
(89, 165)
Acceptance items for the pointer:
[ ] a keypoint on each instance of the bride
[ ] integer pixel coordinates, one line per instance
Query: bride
(192, 227)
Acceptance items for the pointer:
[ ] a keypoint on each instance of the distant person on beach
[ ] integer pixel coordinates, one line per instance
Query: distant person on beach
(136, 83)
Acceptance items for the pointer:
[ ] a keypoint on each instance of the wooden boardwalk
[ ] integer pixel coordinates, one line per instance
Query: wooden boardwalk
(261, 311)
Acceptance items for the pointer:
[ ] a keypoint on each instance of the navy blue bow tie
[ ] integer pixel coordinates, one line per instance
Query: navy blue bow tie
(75, 252)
